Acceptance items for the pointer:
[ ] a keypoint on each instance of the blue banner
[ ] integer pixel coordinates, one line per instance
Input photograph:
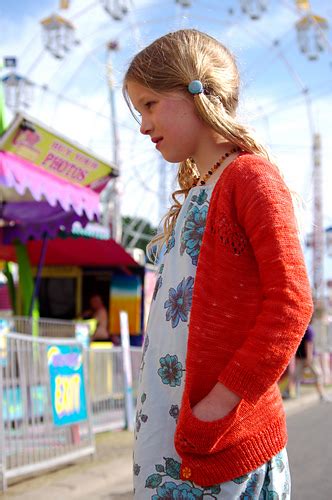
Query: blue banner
(67, 384)
(12, 404)
(4, 329)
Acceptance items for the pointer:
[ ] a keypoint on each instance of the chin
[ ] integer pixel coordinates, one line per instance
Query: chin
(171, 158)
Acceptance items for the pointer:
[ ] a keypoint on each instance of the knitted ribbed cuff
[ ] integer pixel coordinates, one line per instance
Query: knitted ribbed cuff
(244, 382)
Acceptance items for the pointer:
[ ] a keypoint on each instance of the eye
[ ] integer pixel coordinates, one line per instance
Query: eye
(149, 104)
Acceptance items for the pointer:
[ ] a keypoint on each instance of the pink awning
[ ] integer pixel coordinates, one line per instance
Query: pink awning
(25, 177)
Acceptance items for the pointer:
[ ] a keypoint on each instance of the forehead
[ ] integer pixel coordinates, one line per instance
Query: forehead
(137, 92)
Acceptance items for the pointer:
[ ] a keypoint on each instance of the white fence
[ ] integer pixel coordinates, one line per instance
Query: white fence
(30, 440)
(105, 369)
(107, 386)
(43, 327)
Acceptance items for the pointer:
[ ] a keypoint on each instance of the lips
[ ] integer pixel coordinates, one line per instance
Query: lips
(156, 140)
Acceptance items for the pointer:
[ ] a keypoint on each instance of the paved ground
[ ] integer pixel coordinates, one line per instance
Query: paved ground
(108, 476)
(310, 452)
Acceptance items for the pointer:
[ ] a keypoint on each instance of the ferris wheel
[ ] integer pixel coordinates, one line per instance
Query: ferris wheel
(69, 75)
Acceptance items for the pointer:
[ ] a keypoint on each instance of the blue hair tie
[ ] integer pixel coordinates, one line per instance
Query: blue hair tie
(196, 87)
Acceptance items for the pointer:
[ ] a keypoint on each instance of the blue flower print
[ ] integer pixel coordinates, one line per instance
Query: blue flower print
(145, 348)
(159, 282)
(252, 487)
(192, 233)
(146, 344)
(172, 491)
(171, 370)
(241, 479)
(171, 242)
(201, 198)
(178, 304)
(174, 412)
(140, 416)
(278, 462)
(169, 490)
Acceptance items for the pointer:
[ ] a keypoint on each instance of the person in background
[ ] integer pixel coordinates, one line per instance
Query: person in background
(98, 312)
(306, 360)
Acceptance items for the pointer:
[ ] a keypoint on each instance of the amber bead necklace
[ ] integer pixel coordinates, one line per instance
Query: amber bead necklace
(202, 181)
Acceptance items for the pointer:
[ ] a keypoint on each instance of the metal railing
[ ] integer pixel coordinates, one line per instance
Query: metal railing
(30, 440)
(106, 378)
(105, 369)
(43, 327)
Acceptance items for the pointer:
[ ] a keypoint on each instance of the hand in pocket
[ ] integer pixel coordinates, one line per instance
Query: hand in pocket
(216, 405)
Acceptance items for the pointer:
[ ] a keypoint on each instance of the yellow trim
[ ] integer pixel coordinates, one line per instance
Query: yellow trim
(59, 272)
(58, 19)
(307, 20)
(101, 345)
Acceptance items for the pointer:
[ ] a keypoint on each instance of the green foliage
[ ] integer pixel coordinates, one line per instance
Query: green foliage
(133, 225)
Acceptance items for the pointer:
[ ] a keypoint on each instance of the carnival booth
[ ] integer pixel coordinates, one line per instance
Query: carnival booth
(48, 183)
(75, 268)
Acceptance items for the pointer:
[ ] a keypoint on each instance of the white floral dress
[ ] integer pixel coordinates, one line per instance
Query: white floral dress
(162, 377)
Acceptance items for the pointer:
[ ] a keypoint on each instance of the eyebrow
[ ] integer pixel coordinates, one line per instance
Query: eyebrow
(143, 98)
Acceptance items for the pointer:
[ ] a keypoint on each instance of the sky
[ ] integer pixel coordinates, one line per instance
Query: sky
(285, 96)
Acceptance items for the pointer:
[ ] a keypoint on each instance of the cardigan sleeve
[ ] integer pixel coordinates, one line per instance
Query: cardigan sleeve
(265, 212)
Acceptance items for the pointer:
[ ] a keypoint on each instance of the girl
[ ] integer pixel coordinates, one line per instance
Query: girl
(210, 421)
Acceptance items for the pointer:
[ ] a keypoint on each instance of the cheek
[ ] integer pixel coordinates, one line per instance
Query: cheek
(175, 111)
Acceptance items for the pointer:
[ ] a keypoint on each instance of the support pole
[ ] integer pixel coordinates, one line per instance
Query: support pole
(111, 211)
(318, 229)
(127, 370)
(38, 276)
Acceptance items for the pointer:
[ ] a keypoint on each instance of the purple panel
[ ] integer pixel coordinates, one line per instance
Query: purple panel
(66, 203)
(34, 219)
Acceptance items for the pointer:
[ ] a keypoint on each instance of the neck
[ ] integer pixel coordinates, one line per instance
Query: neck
(206, 158)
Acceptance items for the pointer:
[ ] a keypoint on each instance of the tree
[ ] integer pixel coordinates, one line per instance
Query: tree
(136, 232)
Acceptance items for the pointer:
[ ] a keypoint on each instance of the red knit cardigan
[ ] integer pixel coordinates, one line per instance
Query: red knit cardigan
(251, 305)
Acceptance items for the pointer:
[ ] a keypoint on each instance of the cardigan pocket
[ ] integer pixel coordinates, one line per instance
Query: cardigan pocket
(194, 436)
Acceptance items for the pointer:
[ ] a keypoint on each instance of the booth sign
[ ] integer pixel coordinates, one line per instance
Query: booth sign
(67, 384)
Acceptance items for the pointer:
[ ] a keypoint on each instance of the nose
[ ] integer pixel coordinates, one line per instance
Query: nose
(145, 127)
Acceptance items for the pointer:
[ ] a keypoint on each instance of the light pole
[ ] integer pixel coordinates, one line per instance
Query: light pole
(111, 197)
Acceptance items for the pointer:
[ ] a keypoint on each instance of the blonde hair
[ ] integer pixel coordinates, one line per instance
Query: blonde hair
(169, 64)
